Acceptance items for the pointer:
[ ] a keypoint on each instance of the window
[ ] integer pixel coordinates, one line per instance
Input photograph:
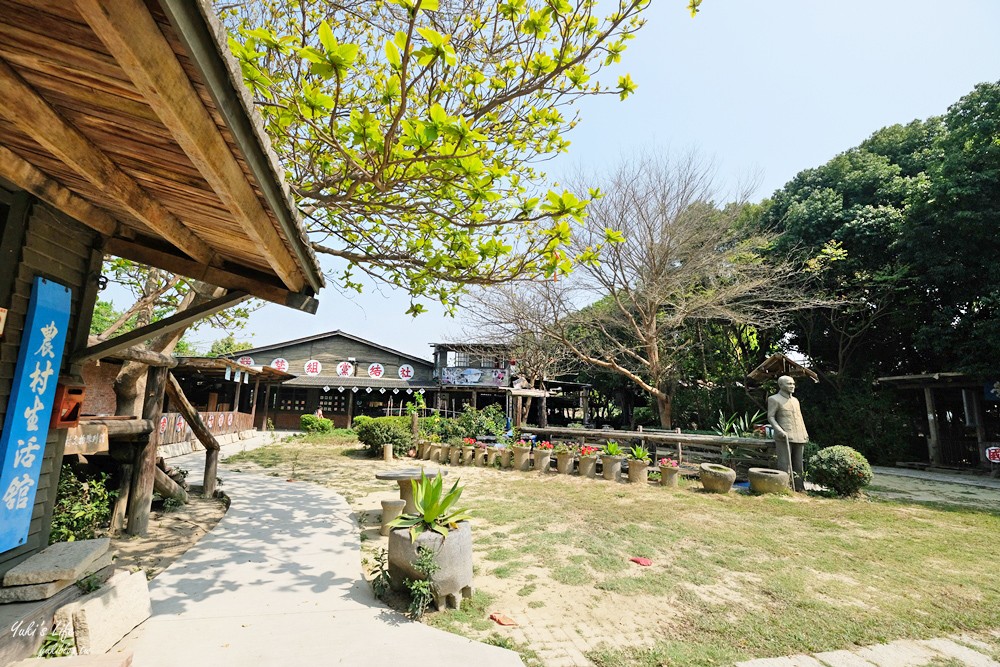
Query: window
(333, 403)
(292, 400)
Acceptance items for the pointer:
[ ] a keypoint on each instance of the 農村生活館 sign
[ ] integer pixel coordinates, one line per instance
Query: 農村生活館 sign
(26, 424)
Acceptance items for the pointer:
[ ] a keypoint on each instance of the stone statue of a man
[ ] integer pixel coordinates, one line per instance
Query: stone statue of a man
(790, 434)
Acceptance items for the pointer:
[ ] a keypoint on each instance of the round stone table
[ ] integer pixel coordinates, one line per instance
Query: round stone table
(403, 477)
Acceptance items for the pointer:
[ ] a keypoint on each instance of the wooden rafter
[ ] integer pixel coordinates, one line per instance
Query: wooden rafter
(24, 107)
(28, 177)
(228, 278)
(161, 327)
(133, 37)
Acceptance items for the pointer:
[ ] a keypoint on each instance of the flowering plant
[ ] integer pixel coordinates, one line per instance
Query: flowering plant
(668, 463)
(469, 442)
(544, 444)
(522, 443)
(565, 448)
(587, 450)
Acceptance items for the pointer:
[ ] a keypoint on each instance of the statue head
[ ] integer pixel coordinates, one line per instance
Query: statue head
(786, 383)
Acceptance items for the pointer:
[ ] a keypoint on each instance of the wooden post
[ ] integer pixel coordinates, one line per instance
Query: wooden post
(267, 406)
(144, 464)
(543, 410)
(585, 404)
(517, 412)
(934, 432)
(167, 487)
(974, 400)
(350, 407)
(236, 398)
(118, 515)
(256, 398)
(200, 430)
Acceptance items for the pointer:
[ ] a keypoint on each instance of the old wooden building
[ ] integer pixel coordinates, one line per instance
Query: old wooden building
(342, 375)
(124, 130)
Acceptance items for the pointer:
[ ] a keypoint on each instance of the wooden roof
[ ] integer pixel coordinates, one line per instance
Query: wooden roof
(777, 365)
(131, 117)
(331, 334)
(218, 366)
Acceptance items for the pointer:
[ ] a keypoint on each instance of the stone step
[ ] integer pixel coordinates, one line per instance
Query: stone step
(58, 562)
(33, 592)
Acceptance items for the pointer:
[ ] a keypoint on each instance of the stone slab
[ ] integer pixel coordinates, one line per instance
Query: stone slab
(965, 654)
(842, 659)
(60, 561)
(898, 654)
(34, 592)
(114, 611)
(103, 660)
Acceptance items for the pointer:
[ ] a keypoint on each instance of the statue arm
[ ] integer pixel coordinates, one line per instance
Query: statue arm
(772, 409)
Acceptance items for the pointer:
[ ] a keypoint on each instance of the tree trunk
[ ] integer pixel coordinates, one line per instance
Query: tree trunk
(663, 405)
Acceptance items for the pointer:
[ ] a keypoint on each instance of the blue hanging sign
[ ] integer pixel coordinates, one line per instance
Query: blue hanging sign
(26, 424)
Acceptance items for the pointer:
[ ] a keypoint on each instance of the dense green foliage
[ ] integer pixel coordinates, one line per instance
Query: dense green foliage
(314, 424)
(374, 432)
(841, 469)
(228, 345)
(82, 507)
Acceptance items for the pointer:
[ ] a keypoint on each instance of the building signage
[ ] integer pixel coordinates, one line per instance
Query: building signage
(345, 369)
(488, 377)
(406, 372)
(179, 424)
(376, 370)
(245, 361)
(163, 424)
(280, 364)
(993, 454)
(313, 367)
(22, 444)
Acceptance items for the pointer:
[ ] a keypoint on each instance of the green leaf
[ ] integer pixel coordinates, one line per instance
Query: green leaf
(392, 55)
(326, 37)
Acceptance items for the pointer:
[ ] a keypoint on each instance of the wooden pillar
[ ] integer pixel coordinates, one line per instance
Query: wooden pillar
(256, 399)
(475, 399)
(934, 431)
(235, 407)
(517, 411)
(201, 432)
(144, 464)
(974, 400)
(585, 404)
(267, 406)
(543, 410)
(350, 408)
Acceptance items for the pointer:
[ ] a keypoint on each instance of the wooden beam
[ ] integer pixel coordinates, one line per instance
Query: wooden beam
(168, 488)
(28, 177)
(167, 325)
(201, 432)
(144, 463)
(24, 107)
(934, 430)
(211, 275)
(133, 37)
(142, 355)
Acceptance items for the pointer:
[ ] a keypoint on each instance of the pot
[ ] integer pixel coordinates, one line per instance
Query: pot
(564, 463)
(491, 457)
(468, 454)
(506, 456)
(588, 466)
(456, 455)
(479, 458)
(638, 472)
(668, 475)
(522, 458)
(612, 467)
(717, 478)
(767, 480)
(453, 554)
(543, 459)
(425, 450)
(444, 455)
(435, 453)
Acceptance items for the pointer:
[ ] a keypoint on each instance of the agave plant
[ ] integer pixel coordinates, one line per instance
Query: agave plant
(737, 425)
(435, 508)
(612, 448)
(639, 453)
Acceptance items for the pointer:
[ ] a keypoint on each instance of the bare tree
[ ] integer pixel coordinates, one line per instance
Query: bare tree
(683, 259)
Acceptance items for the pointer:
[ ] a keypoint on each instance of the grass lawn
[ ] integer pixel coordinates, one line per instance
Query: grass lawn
(733, 577)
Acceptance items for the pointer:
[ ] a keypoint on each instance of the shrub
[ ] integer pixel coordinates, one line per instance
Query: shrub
(842, 469)
(373, 432)
(314, 424)
(82, 506)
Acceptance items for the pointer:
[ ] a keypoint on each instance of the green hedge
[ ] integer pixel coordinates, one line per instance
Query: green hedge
(314, 424)
(374, 432)
(841, 469)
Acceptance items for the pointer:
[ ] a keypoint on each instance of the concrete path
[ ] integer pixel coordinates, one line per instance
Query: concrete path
(278, 583)
(980, 481)
(958, 650)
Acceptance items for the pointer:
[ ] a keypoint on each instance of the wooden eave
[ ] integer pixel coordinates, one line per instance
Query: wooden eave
(777, 365)
(128, 116)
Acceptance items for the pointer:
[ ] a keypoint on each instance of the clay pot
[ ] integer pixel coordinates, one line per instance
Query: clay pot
(588, 466)
(668, 476)
(456, 455)
(717, 478)
(491, 456)
(435, 453)
(453, 554)
(506, 455)
(522, 458)
(468, 455)
(612, 467)
(564, 463)
(425, 450)
(638, 472)
(766, 480)
(444, 454)
(543, 458)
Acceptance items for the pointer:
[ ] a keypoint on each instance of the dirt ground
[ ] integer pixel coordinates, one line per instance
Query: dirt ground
(911, 489)
(171, 533)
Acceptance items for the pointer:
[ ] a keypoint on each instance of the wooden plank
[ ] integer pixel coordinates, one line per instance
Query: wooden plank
(86, 439)
(228, 278)
(131, 34)
(201, 431)
(25, 108)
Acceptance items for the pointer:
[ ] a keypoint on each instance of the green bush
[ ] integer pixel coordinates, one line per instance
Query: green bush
(314, 424)
(491, 420)
(841, 469)
(82, 506)
(373, 432)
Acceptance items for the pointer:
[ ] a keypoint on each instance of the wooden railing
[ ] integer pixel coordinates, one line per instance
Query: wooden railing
(685, 447)
(219, 423)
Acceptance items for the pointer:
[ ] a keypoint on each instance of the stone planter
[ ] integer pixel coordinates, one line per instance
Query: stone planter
(468, 454)
(453, 580)
(444, 455)
(638, 472)
(456, 455)
(424, 451)
(766, 480)
(480, 458)
(588, 466)
(543, 459)
(564, 463)
(506, 456)
(717, 478)
(668, 476)
(435, 453)
(491, 457)
(522, 458)
(612, 467)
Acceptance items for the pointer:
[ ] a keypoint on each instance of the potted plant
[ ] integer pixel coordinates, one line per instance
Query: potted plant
(435, 452)
(543, 456)
(565, 456)
(505, 454)
(522, 456)
(480, 459)
(638, 464)
(717, 478)
(611, 461)
(456, 454)
(668, 471)
(444, 456)
(439, 528)
(468, 450)
(588, 461)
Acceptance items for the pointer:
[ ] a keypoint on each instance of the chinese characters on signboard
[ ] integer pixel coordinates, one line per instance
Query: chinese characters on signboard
(376, 370)
(29, 410)
(993, 454)
(280, 364)
(313, 367)
(245, 361)
(406, 372)
(345, 369)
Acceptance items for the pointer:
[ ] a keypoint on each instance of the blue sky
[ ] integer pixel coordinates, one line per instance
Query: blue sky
(766, 87)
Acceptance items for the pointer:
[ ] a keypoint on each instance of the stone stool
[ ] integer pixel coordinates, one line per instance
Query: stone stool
(390, 510)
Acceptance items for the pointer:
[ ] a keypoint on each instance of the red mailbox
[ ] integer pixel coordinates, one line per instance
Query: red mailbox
(68, 405)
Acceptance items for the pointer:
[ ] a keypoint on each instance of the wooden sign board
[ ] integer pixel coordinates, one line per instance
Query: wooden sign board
(87, 439)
